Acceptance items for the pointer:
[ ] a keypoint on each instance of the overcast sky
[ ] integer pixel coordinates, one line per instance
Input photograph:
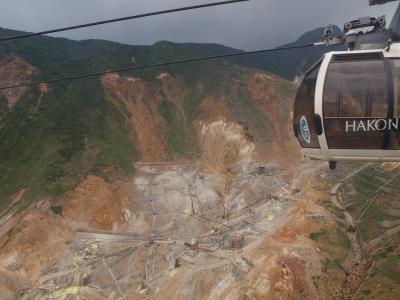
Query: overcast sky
(249, 25)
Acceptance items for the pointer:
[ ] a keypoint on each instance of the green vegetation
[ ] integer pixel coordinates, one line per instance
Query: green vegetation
(56, 210)
(56, 190)
(366, 291)
(384, 279)
(370, 204)
(179, 135)
(334, 241)
(328, 264)
(3, 106)
(75, 131)
(280, 63)
(315, 235)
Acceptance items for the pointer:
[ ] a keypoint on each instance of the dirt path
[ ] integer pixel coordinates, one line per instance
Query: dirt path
(150, 269)
(358, 261)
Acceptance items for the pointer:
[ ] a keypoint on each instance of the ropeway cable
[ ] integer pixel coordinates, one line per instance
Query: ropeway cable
(141, 67)
(162, 12)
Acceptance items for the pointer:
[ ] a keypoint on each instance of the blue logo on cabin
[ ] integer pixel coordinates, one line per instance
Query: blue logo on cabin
(305, 131)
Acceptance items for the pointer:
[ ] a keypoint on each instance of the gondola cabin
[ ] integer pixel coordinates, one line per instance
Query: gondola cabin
(347, 107)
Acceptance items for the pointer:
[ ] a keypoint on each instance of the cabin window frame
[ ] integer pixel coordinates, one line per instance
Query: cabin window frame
(394, 136)
(357, 141)
(314, 140)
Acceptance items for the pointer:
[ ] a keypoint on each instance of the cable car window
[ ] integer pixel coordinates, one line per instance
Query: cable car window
(395, 130)
(355, 91)
(303, 119)
(395, 68)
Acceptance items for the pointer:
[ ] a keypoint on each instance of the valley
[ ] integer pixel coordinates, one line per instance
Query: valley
(183, 182)
(170, 226)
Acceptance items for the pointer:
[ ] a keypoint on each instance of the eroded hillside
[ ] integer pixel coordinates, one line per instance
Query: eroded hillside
(173, 231)
(210, 182)
(177, 183)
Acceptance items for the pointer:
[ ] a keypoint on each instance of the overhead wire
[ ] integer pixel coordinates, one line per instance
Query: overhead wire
(140, 67)
(161, 12)
(147, 66)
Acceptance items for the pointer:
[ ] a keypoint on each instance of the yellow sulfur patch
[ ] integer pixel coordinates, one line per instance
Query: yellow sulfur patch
(187, 212)
(172, 273)
(66, 293)
(270, 216)
(142, 291)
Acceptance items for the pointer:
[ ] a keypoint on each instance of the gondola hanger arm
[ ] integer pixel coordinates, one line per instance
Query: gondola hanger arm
(355, 38)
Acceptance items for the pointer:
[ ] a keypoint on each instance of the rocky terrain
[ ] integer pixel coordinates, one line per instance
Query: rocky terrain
(178, 183)
(182, 230)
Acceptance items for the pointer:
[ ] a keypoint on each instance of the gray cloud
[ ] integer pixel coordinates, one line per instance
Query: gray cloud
(250, 25)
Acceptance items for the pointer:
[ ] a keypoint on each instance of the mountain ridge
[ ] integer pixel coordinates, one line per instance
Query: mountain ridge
(179, 182)
(54, 135)
(300, 59)
(281, 63)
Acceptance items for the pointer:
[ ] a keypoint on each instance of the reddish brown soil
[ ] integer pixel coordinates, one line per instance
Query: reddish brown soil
(210, 111)
(35, 243)
(173, 90)
(274, 97)
(139, 104)
(275, 267)
(96, 204)
(15, 69)
(43, 88)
